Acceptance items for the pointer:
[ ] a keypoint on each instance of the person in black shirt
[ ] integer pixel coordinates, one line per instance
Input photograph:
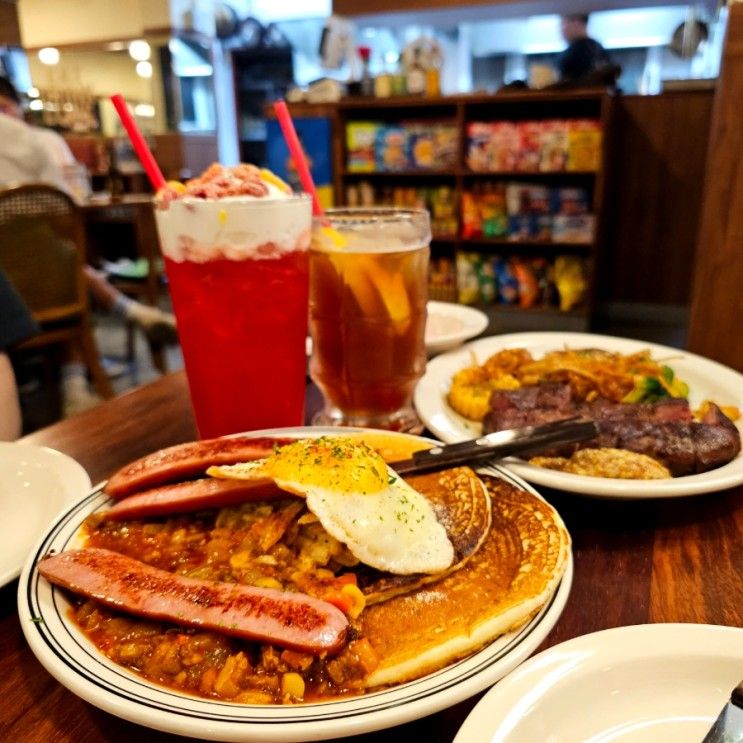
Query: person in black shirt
(16, 324)
(583, 55)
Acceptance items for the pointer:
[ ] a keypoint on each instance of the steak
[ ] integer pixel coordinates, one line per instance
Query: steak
(664, 430)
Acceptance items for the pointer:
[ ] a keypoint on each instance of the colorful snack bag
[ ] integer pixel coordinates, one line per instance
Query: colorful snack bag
(360, 142)
(467, 283)
(571, 281)
(508, 285)
(527, 281)
(554, 146)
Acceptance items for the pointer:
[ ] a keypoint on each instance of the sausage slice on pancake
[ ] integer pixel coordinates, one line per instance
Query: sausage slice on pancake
(500, 587)
(462, 506)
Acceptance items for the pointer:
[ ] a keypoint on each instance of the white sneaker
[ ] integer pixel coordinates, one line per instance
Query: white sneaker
(77, 396)
(159, 326)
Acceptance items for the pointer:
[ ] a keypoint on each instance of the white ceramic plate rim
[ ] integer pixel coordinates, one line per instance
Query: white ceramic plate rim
(473, 323)
(430, 402)
(541, 675)
(76, 663)
(72, 478)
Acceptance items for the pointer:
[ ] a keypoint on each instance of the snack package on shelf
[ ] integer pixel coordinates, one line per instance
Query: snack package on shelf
(494, 218)
(468, 286)
(584, 145)
(508, 285)
(391, 148)
(579, 229)
(569, 201)
(529, 216)
(471, 217)
(571, 279)
(528, 285)
(493, 147)
(478, 141)
(551, 145)
(530, 145)
(360, 146)
(442, 203)
(554, 146)
(432, 146)
(442, 279)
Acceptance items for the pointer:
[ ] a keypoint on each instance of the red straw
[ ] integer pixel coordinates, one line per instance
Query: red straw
(297, 153)
(138, 142)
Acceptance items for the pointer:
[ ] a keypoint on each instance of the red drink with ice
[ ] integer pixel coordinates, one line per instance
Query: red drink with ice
(238, 273)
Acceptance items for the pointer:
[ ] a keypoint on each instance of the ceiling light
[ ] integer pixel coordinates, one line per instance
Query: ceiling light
(32, 92)
(144, 69)
(115, 46)
(49, 55)
(36, 105)
(139, 49)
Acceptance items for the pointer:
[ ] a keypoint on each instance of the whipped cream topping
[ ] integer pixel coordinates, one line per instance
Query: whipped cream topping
(234, 228)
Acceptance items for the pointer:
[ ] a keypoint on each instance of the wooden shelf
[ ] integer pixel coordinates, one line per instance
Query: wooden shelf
(538, 310)
(455, 172)
(516, 174)
(460, 110)
(506, 243)
(400, 174)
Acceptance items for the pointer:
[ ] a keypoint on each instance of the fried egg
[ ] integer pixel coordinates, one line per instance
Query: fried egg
(359, 500)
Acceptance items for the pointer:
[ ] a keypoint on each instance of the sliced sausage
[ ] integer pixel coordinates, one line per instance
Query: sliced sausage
(291, 620)
(192, 495)
(187, 460)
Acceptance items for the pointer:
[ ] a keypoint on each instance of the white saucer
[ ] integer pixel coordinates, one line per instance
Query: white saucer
(35, 484)
(449, 325)
(641, 684)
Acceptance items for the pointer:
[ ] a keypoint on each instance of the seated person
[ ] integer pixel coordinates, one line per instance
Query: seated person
(28, 155)
(17, 325)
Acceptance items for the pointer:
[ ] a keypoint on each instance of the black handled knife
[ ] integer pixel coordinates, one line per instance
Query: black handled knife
(498, 445)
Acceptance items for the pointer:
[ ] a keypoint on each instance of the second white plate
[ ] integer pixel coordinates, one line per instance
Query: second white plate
(707, 380)
(35, 483)
(641, 684)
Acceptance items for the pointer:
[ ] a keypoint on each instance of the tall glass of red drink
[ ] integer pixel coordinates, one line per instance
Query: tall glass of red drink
(368, 292)
(238, 273)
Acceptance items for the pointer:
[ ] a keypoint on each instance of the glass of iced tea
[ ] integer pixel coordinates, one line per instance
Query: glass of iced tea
(236, 255)
(368, 292)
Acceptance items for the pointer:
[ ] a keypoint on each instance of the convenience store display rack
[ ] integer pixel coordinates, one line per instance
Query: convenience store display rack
(461, 110)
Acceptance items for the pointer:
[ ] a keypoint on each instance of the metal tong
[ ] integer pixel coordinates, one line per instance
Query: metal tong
(498, 445)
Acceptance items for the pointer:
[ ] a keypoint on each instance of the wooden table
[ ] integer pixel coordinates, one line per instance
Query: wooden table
(679, 560)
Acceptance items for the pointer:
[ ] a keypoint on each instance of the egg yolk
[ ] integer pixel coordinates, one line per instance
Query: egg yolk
(333, 463)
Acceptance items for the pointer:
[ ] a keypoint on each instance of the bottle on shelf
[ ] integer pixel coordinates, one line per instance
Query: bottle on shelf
(383, 82)
(367, 82)
(415, 76)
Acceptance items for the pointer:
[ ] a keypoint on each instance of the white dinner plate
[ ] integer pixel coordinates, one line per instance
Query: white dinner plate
(641, 684)
(35, 484)
(449, 325)
(707, 380)
(77, 664)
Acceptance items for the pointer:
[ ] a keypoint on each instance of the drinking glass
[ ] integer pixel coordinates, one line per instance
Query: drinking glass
(238, 272)
(368, 293)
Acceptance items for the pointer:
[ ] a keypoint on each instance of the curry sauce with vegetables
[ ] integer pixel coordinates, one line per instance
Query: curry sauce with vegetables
(273, 545)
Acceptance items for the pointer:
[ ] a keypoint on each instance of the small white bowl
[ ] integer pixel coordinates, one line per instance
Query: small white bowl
(449, 325)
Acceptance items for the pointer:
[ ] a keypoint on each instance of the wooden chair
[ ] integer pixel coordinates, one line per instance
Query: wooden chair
(42, 250)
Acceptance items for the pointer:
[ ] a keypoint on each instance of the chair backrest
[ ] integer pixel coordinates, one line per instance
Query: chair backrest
(42, 250)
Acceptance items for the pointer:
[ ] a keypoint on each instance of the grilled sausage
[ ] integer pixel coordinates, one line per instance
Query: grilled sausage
(192, 495)
(186, 460)
(291, 620)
